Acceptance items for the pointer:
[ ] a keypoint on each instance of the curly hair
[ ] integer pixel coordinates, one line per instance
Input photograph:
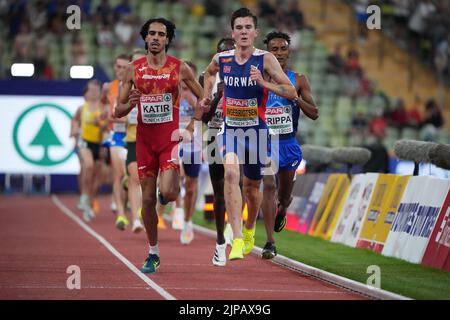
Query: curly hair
(277, 34)
(170, 27)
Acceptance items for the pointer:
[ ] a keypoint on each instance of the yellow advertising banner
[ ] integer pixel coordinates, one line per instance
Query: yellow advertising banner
(329, 219)
(382, 210)
(334, 191)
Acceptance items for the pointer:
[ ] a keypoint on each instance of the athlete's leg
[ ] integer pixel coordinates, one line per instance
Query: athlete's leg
(169, 184)
(232, 193)
(190, 197)
(134, 191)
(87, 179)
(269, 205)
(149, 215)
(118, 170)
(253, 197)
(286, 184)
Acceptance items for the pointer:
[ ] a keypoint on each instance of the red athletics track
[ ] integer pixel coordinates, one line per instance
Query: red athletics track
(39, 241)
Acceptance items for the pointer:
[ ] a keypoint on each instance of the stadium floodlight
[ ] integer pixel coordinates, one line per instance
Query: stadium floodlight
(22, 69)
(81, 72)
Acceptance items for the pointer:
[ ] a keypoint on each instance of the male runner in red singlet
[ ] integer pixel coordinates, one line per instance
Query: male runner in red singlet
(157, 92)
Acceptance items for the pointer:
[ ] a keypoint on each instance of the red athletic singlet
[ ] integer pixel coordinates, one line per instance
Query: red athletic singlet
(157, 134)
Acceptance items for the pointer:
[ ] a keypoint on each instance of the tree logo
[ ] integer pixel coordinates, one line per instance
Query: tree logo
(41, 135)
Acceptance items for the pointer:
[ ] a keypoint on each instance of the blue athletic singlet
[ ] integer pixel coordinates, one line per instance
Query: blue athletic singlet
(282, 118)
(245, 130)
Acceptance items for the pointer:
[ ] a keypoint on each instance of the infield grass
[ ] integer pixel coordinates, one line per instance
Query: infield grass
(398, 276)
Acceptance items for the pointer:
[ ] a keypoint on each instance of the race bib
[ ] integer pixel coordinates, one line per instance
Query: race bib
(279, 119)
(217, 119)
(132, 116)
(119, 127)
(242, 112)
(156, 108)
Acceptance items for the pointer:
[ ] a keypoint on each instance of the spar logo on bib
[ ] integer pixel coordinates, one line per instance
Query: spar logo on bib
(242, 112)
(39, 138)
(279, 119)
(156, 108)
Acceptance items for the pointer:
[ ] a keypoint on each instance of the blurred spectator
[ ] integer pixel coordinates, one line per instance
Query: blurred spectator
(42, 68)
(295, 15)
(78, 51)
(353, 73)
(16, 16)
(361, 17)
(414, 115)
(214, 7)
(37, 14)
(123, 8)
(23, 44)
(104, 11)
(125, 31)
(336, 62)
(433, 114)
(379, 159)
(442, 55)
(359, 123)
(105, 36)
(418, 20)
(398, 117)
(378, 124)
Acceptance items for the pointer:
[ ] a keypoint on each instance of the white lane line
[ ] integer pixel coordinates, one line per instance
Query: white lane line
(260, 290)
(113, 250)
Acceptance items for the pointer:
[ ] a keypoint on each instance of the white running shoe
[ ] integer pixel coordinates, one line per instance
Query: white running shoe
(228, 234)
(113, 206)
(187, 234)
(83, 202)
(220, 256)
(88, 214)
(137, 226)
(178, 219)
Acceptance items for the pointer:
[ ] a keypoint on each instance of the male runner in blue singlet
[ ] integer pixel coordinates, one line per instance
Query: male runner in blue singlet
(282, 118)
(245, 72)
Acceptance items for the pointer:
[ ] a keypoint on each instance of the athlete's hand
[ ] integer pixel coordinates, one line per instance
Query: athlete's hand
(256, 75)
(205, 104)
(220, 86)
(134, 97)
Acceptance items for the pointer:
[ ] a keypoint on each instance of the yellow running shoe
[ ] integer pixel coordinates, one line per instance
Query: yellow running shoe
(161, 223)
(249, 239)
(96, 207)
(121, 222)
(237, 249)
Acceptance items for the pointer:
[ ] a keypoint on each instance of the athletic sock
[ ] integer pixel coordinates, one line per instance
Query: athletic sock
(154, 250)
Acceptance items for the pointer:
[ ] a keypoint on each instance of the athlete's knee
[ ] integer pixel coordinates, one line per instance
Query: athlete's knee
(148, 202)
(170, 192)
(251, 193)
(232, 176)
(269, 185)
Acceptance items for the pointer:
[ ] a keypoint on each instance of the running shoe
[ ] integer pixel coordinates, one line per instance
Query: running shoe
(161, 223)
(140, 212)
(269, 251)
(280, 222)
(187, 234)
(220, 256)
(82, 203)
(249, 239)
(228, 234)
(237, 249)
(137, 226)
(113, 207)
(151, 264)
(121, 222)
(88, 214)
(178, 219)
(96, 207)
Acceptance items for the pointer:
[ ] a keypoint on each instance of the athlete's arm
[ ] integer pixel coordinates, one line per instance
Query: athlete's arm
(189, 79)
(105, 92)
(207, 116)
(209, 79)
(282, 86)
(75, 123)
(128, 98)
(305, 101)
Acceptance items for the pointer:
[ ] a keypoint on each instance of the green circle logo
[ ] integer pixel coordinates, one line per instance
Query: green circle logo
(44, 136)
(167, 97)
